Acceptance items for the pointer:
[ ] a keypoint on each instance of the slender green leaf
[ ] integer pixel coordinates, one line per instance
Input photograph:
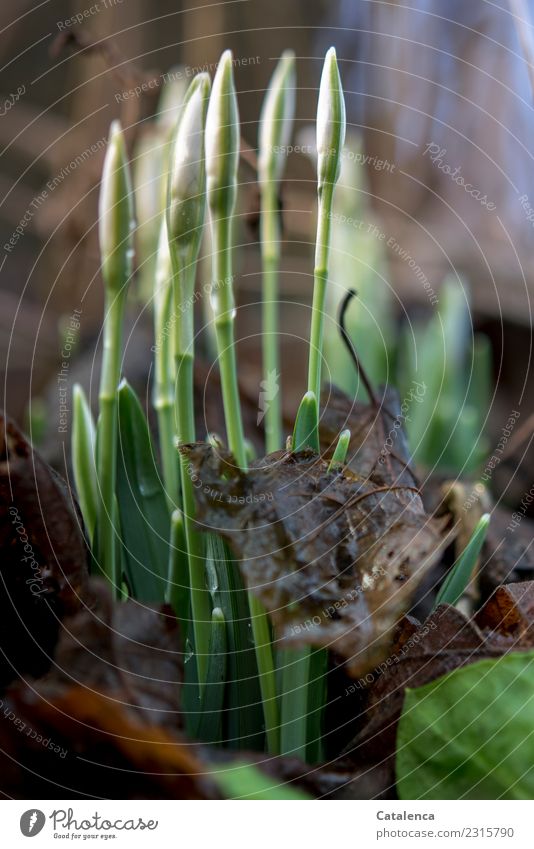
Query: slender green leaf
(295, 677)
(317, 692)
(243, 708)
(177, 593)
(459, 576)
(211, 716)
(340, 454)
(116, 227)
(83, 458)
(305, 433)
(144, 516)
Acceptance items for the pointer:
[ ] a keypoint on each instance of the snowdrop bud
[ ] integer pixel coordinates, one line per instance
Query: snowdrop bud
(276, 120)
(186, 199)
(331, 122)
(116, 214)
(222, 141)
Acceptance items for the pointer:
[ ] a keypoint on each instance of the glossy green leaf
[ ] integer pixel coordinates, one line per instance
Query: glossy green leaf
(470, 734)
(317, 694)
(211, 716)
(305, 433)
(243, 714)
(144, 516)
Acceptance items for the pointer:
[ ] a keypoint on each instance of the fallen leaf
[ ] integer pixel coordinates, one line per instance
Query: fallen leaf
(72, 742)
(508, 555)
(130, 653)
(378, 448)
(43, 573)
(333, 557)
(510, 612)
(447, 640)
(105, 721)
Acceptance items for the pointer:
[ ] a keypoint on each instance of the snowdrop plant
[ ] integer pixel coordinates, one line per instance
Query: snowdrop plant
(163, 554)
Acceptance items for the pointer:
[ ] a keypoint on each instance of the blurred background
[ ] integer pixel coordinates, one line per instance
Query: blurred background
(437, 185)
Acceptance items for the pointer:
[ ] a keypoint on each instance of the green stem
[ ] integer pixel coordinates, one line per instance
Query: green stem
(270, 248)
(183, 282)
(224, 309)
(164, 399)
(107, 438)
(165, 411)
(320, 274)
(224, 329)
(297, 689)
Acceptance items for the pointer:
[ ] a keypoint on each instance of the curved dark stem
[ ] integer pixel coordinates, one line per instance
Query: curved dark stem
(351, 293)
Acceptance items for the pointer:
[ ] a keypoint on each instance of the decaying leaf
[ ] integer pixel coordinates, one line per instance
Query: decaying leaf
(130, 653)
(333, 556)
(43, 572)
(105, 721)
(508, 556)
(510, 612)
(72, 742)
(378, 448)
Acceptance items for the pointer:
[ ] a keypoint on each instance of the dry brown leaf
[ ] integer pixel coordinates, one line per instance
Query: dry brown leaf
(333, 557)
